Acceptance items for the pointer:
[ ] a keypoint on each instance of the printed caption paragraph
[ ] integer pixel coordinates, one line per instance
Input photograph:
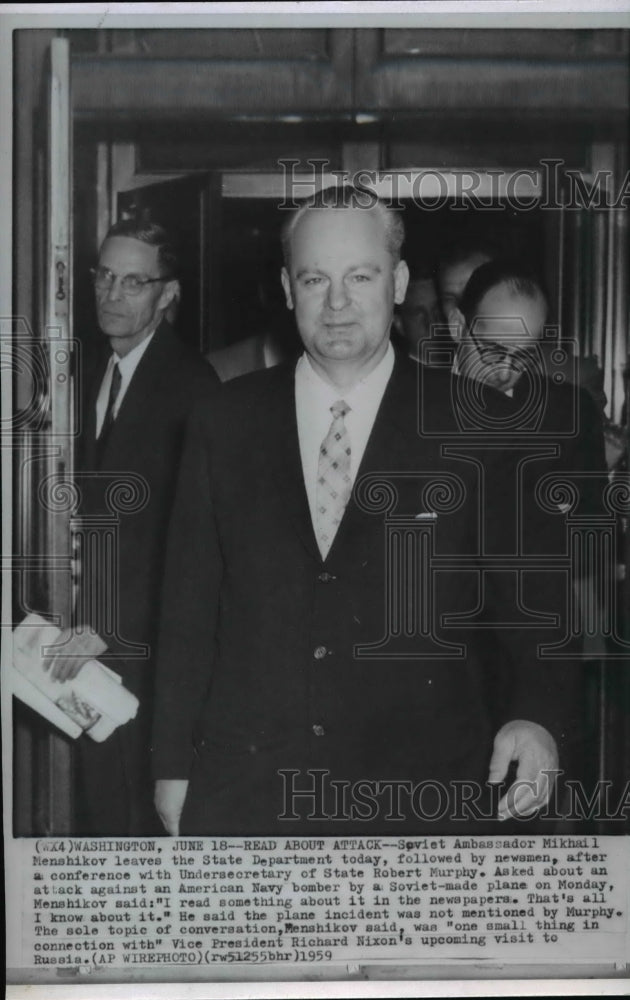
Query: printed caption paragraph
(115, 904)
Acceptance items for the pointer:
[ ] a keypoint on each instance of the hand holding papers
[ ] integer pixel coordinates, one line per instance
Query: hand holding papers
(73, 648)
(94, 701)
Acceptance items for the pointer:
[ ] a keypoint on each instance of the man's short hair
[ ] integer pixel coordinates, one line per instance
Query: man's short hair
(153, 234)
(519, 278)
(347, 196)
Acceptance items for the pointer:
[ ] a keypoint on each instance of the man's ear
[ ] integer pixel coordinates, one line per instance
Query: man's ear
(170, 293)
(456, 323)
(286, 284)
(401, 280)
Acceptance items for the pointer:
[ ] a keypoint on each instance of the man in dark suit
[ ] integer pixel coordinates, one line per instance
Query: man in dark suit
(558, 435)
(501, 328)
(135, 408)
(287, 657)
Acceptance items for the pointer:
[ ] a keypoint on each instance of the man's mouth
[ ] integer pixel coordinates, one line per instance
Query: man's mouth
(111, 312)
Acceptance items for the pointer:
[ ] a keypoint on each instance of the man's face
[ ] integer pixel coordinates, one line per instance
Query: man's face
(498, 345)
(453, 279)
(343, 285)
(130, 318)
(419, 312)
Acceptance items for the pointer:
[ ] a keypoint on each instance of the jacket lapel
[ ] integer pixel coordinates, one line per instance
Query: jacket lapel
(393, 440)
(87, 457)
(147, 390)
(284, 455)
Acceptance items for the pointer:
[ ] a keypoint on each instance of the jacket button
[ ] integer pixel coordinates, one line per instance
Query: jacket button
(319, 730)
(319, 652)
(326, 577)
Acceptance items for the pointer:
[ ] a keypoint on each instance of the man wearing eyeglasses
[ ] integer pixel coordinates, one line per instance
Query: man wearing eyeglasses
(134, 411)
(557, 428)
(500, 320)
(501, 323)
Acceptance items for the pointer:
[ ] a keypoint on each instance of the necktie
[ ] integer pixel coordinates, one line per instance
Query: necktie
(108, 420)
(334, 484)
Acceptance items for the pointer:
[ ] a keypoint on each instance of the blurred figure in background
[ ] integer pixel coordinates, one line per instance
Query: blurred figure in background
(455, 267)
(418, 321)
(276, 342)
(500, 325)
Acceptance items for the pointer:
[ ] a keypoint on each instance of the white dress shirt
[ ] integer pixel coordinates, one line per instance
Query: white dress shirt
(127, 367)
(313, 399)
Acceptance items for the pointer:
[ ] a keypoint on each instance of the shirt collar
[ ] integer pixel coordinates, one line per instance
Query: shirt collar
(367, 388)
(128, 364)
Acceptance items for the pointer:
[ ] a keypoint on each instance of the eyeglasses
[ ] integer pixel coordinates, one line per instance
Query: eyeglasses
(130, 284)
(493, 353)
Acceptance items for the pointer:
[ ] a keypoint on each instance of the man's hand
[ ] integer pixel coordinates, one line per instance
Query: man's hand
(169, 798)
(73, 648)
(535, 752)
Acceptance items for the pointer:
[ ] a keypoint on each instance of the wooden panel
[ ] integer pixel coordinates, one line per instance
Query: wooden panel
(297, 81)
(462, 140)
(223, 43)
(463, 150)
(502, 42)
(488, 83)
(236, 146)
(167, 157)
(286, 72)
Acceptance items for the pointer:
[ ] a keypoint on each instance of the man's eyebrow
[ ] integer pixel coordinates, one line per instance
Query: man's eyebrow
(366, 266)
(308, 270)
(124, 274)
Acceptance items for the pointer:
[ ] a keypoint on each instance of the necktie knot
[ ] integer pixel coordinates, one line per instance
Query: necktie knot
(339, 409)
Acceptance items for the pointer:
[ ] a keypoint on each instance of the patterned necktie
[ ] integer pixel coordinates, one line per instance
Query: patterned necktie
(334, 484)
(108, 419)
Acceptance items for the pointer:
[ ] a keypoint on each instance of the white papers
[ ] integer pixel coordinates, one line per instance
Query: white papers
(94, 702)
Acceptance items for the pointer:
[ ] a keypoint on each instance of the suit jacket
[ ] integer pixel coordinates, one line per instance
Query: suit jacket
(259, 666)
(250, 355)
(553, 434)
(565, 417)
(143, 448)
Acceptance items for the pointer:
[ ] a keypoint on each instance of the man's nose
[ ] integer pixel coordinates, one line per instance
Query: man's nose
(114, 292)
(337, 295)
